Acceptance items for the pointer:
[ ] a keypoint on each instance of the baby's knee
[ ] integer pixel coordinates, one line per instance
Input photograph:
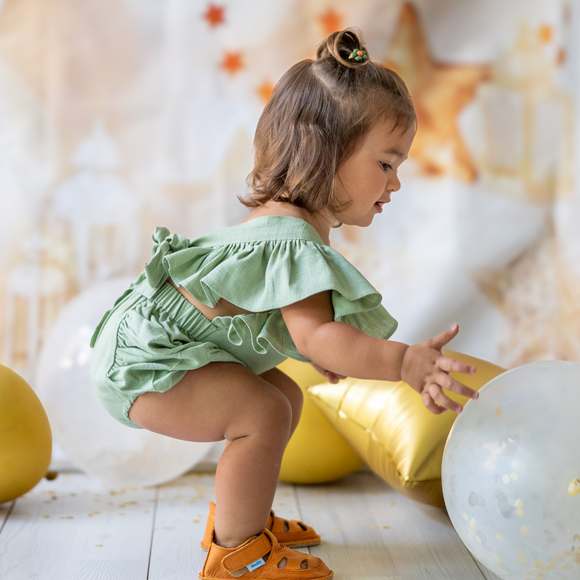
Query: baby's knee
(271, 416)
(295, 396)
(288, 387)
(277, 410)
(270, 420)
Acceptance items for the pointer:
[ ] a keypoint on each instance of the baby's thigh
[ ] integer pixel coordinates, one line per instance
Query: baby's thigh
(220, 400)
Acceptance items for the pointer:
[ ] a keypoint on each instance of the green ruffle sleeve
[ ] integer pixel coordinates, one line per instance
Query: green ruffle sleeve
(261, 266)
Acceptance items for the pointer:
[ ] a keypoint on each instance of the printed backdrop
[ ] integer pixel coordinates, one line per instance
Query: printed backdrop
(120, 115)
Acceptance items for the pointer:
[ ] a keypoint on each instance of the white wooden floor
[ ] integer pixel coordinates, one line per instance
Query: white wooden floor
(76, 527)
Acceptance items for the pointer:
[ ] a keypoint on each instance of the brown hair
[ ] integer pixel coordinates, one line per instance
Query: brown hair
(319, 113)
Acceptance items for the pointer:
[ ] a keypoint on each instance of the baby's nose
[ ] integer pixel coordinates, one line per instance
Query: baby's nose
(395, 184)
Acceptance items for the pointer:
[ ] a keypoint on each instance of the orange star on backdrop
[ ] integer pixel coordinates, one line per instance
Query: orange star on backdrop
(232, 62)
(265, 90)
(331, 21)
(440, 92)
(545, 33)
(215, 15)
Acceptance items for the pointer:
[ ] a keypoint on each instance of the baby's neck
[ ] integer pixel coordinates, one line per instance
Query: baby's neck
(318, 221)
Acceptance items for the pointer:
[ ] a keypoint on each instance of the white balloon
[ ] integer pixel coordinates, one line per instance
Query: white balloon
(90, 437)
(511, 473)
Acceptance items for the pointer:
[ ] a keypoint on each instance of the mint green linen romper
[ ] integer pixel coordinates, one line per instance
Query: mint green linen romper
(152, 336)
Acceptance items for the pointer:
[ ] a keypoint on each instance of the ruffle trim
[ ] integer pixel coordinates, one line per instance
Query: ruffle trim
(264, 276)
(266, 330)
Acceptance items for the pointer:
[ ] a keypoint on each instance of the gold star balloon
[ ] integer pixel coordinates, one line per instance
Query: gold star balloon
(387, 424)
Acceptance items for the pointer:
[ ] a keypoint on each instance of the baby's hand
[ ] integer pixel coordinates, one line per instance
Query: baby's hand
(330, 376)
(426, 370)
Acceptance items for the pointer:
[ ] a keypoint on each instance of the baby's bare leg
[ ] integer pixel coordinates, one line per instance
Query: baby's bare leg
(228, 401)
(291, 391)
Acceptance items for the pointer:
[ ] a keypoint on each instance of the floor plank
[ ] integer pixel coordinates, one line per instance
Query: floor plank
(76, 527)
(179, 525)
(79, 528)
(5, 509)
(487, 574)
(370, 531)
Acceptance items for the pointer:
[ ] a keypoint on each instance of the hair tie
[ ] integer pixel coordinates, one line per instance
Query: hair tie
(358, 54)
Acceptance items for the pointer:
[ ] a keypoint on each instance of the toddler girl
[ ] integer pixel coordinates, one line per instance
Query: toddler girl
(191, 349)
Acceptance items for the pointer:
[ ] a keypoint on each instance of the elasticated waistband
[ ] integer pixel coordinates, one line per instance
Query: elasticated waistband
(174, 304)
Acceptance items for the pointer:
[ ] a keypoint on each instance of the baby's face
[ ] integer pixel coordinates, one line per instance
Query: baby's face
(369, 176)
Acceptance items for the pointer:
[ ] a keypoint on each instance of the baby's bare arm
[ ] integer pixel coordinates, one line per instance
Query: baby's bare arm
(339, 347)
(345, 350)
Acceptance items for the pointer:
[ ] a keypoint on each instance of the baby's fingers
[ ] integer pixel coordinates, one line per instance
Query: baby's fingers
(435, 392)
(430, 403)
(450, 365)
(451, 384)
(332, 377)
(439, 341)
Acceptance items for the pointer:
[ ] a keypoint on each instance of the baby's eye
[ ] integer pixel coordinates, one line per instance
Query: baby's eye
(385, 166)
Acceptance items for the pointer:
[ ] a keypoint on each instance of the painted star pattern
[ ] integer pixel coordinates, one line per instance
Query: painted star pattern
(214, 15)
(233, 62)
(331, 21)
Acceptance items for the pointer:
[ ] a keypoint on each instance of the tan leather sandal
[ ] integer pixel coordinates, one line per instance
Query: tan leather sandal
(289, 533)
(264, 558)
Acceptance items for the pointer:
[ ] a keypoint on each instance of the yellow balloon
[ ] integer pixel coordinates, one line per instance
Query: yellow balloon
(387, 424)
(25, 436)
(316, 453)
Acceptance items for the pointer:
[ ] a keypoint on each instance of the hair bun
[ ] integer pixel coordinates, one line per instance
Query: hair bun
(341, 45)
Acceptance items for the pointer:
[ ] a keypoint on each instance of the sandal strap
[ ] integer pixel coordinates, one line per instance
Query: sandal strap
(294, 559)
(294, 526)
(249, 552)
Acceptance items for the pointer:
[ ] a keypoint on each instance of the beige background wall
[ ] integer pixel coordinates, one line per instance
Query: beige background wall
(120, 115)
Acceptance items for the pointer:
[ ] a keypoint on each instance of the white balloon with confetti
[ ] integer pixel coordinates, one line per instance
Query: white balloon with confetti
(91, 439)
(511, 473)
